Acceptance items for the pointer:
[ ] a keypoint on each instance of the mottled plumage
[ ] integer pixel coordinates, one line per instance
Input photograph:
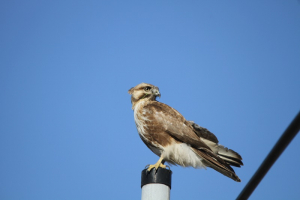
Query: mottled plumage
(174, 139)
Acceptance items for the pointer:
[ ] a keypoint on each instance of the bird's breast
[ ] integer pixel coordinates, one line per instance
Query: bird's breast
(141, 119)
(150, 128)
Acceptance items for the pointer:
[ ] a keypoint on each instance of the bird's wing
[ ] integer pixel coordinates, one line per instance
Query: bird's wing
(203, 132)
(175, 124)
(179, 128)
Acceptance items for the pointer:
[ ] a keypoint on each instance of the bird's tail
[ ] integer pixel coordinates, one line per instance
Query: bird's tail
(229, 156)
(212, 160)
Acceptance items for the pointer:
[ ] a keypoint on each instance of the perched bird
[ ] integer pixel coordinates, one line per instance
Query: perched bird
(174, 139)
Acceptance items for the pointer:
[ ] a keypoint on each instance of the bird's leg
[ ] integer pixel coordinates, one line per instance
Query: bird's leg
(157, 165)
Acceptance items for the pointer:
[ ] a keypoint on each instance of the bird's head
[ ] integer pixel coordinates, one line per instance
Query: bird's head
(143, 91)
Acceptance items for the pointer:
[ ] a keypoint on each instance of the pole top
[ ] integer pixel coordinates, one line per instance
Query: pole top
(162, 176)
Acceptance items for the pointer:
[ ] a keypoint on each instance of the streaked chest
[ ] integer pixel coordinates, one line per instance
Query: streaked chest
(141, 118)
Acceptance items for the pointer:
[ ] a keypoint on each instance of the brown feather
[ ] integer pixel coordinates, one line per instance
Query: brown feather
(178, 141)
(215, 163)
(174, 124)
(203, 132)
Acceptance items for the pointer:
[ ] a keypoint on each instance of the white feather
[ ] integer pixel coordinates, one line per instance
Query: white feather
(183, 155)
(139, 119)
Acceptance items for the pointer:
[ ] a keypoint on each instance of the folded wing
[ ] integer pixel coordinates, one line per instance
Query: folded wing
(203, 142)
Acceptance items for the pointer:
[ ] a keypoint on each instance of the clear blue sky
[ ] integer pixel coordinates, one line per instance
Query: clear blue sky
(66, 125)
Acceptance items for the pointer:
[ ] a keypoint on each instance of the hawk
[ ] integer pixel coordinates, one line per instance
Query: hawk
(174, 139)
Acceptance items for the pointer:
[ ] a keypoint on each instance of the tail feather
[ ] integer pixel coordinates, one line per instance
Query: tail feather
(230, 156)
(217, 163)
(231, 161)
(217, 156)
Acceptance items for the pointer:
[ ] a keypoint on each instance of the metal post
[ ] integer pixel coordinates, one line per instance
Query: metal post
(156, 185)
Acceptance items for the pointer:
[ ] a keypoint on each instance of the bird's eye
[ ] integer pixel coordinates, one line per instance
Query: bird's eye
(147, 88)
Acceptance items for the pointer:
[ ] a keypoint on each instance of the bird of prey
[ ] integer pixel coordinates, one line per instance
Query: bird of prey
(174, 139)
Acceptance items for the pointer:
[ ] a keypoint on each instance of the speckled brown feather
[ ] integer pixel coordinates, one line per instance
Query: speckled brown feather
(161, 127)
(172, 122)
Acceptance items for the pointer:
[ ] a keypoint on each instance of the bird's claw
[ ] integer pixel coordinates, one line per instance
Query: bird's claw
(156, 166)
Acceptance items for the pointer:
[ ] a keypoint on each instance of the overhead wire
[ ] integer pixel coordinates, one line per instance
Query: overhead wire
(274, 154)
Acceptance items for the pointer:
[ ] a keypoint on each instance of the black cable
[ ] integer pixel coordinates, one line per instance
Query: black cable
(274, 154)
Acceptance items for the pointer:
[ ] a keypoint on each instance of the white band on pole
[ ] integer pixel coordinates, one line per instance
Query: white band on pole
(155, 191)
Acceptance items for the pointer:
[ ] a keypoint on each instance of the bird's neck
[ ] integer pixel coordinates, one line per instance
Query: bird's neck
(140, 102)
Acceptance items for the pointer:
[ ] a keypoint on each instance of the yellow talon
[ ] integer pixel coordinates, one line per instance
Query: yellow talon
(156, 165)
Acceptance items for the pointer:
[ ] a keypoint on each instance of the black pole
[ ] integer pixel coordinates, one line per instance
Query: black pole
(160, 175)
(274, 154)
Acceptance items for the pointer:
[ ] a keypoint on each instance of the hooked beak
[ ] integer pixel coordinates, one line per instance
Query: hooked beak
(155, 91)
